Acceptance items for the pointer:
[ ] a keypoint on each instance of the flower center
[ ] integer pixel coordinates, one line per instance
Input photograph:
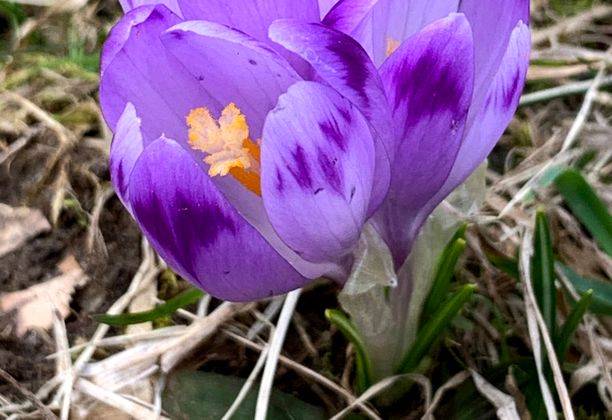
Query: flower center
(392, 45)
(227, 144)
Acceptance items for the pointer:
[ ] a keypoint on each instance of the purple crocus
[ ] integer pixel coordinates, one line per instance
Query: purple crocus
(253, 141)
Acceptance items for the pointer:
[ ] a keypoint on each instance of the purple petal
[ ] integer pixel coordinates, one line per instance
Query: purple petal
(253, 16)
(339, 61)
(317, 171)
(499, 106)
(429, 83)
(137, 68)
(198, 233)
(377, 24)
(170, 4)
(325, 6)
(492, 27)
(347, 15)
(125, 150)
(231, 67)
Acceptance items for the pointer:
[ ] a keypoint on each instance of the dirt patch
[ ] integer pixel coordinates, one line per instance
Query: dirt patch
(77, 179)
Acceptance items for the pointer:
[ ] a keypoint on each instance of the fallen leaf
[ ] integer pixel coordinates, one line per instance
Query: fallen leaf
(18, 225)
(504, 404)
(34, 306)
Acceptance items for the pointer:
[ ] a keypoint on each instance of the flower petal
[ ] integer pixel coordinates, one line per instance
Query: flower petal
(317, 171)
(173, 5)
(347, 15)
(198, 233)
(379, 25)
(499, 106)
(137, 68)
(125, 150)
(232, 67)
(492, 27)
(342, 63)
(429, 83)
(325, 6)
(253, 16)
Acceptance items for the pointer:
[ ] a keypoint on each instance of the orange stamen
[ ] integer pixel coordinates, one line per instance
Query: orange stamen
(227, 145)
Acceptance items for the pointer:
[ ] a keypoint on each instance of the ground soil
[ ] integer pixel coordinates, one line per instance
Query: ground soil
(110, 265)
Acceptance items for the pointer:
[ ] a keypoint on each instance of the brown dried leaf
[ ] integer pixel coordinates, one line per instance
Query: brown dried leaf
(504, 404)
(18, 225)
(34, 306)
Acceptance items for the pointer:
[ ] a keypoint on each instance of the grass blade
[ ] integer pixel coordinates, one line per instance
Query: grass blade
(563, 340)
(181, 300)
(602, 291)
(432, 330)
(587, 207)
(543, 272)
(444, 273)
(364, 365)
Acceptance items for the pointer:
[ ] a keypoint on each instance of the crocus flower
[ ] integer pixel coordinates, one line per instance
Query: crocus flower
(253, 142)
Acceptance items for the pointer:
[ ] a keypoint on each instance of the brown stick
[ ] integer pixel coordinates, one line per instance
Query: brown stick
(572, 24)
(44, 410)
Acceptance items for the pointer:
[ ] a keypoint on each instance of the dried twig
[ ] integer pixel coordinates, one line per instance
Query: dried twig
(382, 385)
(572, 24)
(317, 377)
(535, 321)
(114, 400)
(276, 345)
(505, 405)
(453, 382)
(569, 141)
(44, 411)
(248, 384)
(574, 88)
(198, 332)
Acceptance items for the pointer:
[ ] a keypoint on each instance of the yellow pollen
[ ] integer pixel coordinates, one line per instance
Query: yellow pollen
(227, 145)
(392, 45)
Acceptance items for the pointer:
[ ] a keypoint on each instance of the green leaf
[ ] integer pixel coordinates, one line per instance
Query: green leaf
(434, 328)
(570, 7)
(587, 207)
(444, 273)
(191, 395)
(181, 300)
(563, 340)
(602, 291)
(543, 271)
(506, 264)
(364, 365)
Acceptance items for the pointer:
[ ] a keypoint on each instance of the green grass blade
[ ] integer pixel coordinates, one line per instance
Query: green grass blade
(444, 273)
(504, 263)
(543, 272)
(346, 327)
(563, 340)
(587, 207)
(602, 291)
(181, 300)
(431, 331)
